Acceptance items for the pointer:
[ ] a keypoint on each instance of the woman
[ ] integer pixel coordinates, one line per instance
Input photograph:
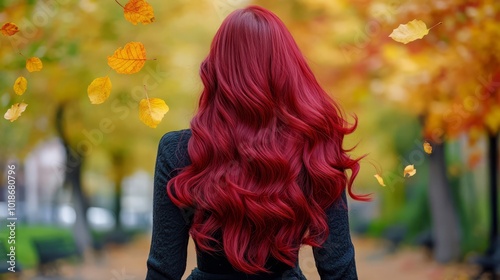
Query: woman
(262, 169)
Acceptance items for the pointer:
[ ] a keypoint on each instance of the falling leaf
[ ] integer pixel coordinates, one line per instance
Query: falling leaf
(9, 29)
(139, 11)
(15, 111)
(409, 170)
(413, 30)
(151, 111)
(20, 85)
(128, 60)
(99, 90)
(380, 180)
(34, 64)
(427, 147)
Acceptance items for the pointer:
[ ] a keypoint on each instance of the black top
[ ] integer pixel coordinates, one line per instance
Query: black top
(168, 252)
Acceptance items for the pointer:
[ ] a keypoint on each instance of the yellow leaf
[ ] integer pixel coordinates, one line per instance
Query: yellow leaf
(409, 170)
(413, 30)
(9, 29)
(99, 90)
(128, 60)
(380, 180)
(151, 111)
(20, 85)
(34, 64)
(15, 111)
(139, 11)
(427, 147)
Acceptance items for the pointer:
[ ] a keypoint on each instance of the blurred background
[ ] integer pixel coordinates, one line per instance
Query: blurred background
(84, 172)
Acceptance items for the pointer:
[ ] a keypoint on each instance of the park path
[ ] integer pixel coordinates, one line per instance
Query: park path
(129, 263)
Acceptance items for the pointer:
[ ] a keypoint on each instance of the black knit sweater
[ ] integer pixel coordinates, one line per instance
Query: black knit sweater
(168, 252)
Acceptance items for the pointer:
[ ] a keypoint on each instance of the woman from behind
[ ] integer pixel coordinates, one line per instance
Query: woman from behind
(262, 169)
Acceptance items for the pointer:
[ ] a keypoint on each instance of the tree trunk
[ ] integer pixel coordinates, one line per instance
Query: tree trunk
(73, 178)
(118, 159)
(493, 164)
(445, 223)
(118, 203)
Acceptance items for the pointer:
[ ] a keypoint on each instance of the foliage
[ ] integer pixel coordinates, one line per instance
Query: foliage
(25, 252)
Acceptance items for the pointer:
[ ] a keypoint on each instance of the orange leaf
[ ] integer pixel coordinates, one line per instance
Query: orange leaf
(128, 60)
(139, 11)
(152, 110)
(34, 64)
(427, 147)
(99, 90)
(380, 180)
(409, 170)
(9, 29)
(15, 111)
(20, 85)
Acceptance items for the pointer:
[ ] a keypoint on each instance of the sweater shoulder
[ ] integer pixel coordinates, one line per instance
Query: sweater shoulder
(173, 148)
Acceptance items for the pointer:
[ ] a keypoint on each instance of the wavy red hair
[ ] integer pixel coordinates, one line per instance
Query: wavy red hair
(266, 147)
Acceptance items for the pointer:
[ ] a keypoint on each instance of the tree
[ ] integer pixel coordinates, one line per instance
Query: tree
(422, 77)
(72, 56)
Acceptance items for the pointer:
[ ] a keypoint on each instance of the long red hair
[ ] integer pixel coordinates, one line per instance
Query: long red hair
(266, 147)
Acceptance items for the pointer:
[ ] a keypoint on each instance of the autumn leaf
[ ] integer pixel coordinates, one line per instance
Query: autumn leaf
(20, 85)
(151, 111)
(9, 29)
(409, 170)
(413, 30)
(15, 111)
(129, 59)
(34, 64)
(139, 11)
(380, 180)
(99, 90)
(427, 147)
